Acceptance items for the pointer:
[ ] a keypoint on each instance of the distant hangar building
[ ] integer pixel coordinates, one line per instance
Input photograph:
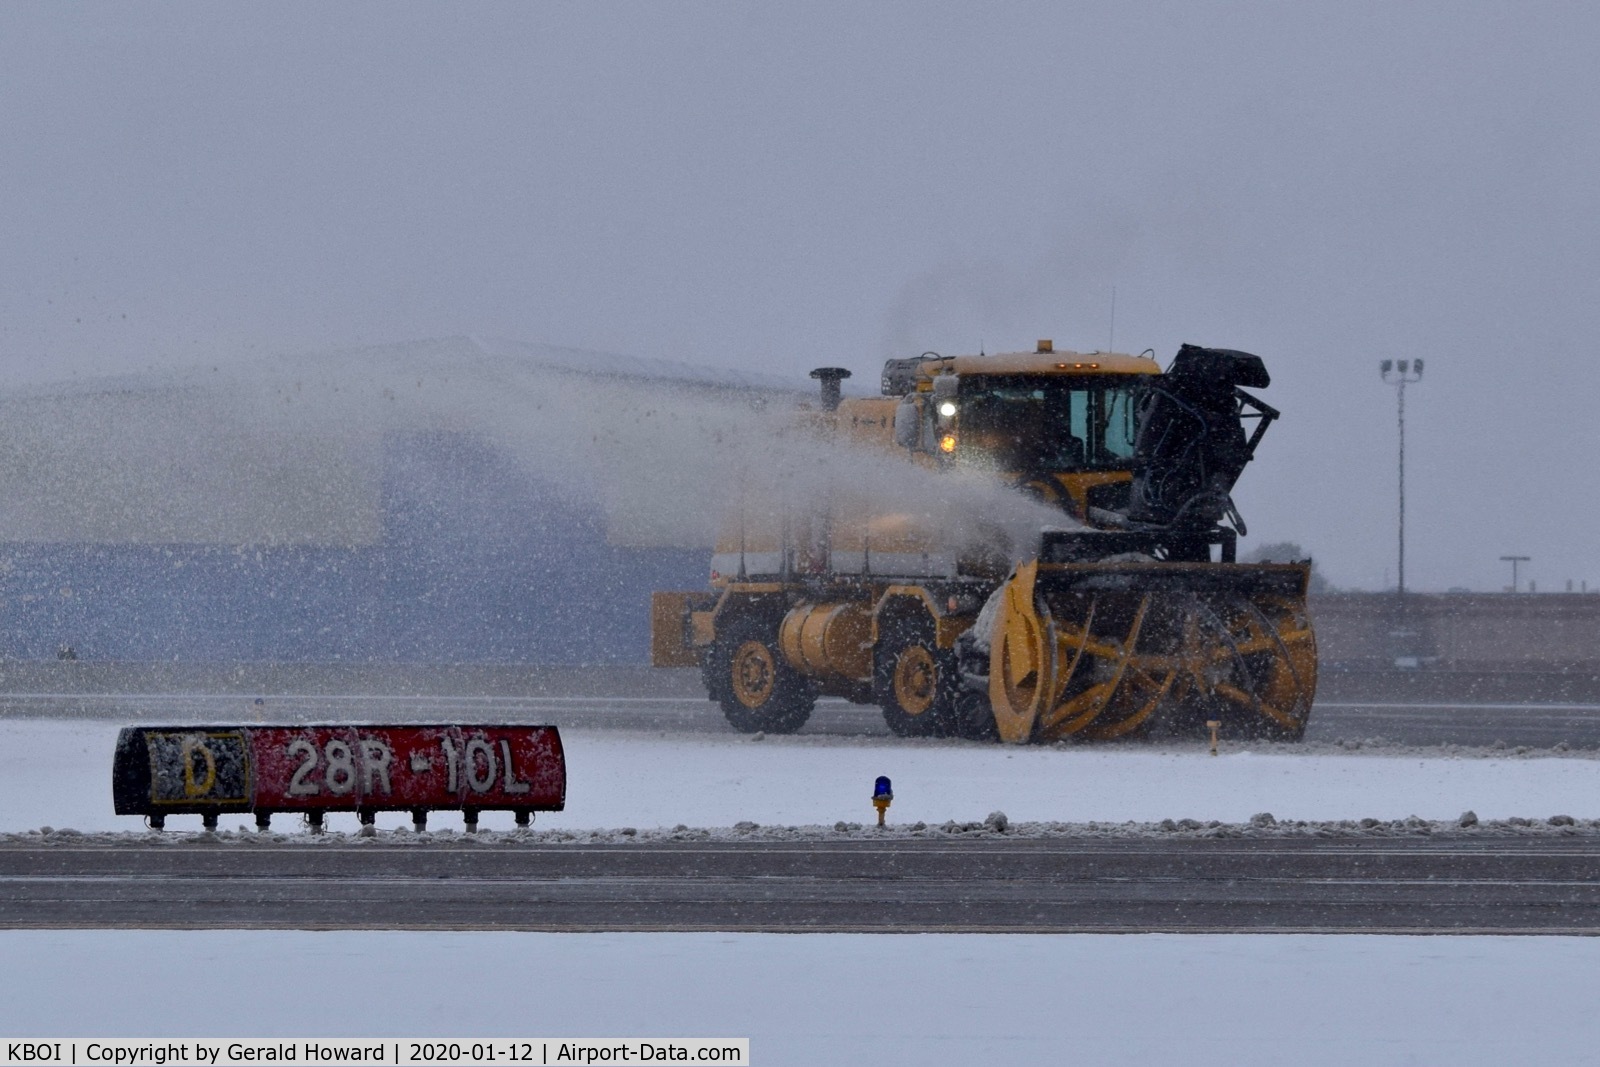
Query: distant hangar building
(450, 501)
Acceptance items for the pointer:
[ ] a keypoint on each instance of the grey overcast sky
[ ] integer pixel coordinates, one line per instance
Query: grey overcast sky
(782, 186)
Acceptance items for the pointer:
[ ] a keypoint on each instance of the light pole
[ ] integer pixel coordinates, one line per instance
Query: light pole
(1400, 374)
(1514, 560)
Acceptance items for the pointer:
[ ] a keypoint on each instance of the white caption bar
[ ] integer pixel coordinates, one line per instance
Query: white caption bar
(229, 1052)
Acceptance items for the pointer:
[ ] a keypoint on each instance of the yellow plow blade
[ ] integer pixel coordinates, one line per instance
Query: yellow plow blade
(1102, 651)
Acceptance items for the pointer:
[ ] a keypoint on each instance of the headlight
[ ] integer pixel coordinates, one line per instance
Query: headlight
(947, 408)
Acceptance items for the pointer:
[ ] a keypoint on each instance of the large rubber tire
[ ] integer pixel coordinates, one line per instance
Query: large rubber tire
(758, 691)
(974, 718)
(914, 679)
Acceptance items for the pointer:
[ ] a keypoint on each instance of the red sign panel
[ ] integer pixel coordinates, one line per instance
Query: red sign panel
(340, 768)
(378, 768)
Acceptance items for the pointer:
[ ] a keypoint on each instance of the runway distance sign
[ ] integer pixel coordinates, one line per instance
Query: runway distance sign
(211, 770)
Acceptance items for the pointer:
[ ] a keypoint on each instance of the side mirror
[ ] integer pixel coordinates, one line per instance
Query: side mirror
(907, 423)
(945, 386)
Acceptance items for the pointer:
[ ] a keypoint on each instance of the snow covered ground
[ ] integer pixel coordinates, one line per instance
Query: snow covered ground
(58, 773)
(886, 999)
(836, 998)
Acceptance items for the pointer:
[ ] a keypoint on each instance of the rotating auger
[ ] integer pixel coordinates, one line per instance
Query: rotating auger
(1101, 652)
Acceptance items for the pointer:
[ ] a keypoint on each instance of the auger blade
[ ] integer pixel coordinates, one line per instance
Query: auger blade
(1103, 651)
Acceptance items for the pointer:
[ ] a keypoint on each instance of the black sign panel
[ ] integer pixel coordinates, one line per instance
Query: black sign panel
(199, 769)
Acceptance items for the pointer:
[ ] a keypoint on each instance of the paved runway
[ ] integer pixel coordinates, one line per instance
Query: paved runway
(1468, 883)
(1469, 724)
(1481, 725)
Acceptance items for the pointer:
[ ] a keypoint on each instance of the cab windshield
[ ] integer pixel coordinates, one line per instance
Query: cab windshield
(1046, 424)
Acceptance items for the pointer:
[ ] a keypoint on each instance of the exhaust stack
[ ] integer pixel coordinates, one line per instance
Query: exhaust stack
(832, 392)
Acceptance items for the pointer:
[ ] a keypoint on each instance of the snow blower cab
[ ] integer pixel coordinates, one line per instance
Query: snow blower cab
(1109, 439)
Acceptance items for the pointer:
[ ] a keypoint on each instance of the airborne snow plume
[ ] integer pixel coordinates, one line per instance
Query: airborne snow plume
(290, 450)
